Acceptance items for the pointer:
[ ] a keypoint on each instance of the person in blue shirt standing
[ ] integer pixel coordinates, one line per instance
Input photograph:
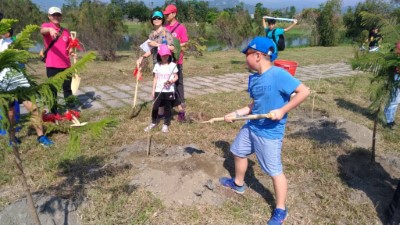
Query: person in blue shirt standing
(270, 88)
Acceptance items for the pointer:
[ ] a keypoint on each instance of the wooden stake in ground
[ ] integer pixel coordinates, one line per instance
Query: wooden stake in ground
(76, 79)
(249, 117)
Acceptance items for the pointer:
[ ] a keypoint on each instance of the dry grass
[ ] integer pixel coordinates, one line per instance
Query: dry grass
(318, 193)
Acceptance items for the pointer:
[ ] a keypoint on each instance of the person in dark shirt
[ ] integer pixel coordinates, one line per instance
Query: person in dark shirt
(374, 39)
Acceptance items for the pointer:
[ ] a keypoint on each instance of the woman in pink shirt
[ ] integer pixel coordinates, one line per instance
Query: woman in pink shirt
(57, 57)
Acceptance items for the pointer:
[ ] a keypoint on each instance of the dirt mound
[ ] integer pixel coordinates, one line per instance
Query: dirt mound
(182, 175)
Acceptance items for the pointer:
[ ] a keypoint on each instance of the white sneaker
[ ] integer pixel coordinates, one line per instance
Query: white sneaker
(149, 127)
(164, 128)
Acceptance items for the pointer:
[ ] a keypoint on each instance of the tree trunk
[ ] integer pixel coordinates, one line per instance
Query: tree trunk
(18, 163)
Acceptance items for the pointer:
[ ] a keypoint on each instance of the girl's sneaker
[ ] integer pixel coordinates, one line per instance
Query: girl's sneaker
(149, 127)
(164, 128)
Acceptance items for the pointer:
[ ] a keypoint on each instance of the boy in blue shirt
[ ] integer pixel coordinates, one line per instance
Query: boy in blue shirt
(270, 88)
(278, 31)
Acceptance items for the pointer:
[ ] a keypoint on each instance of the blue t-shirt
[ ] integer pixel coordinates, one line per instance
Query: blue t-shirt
(270, 90)
(278, 32)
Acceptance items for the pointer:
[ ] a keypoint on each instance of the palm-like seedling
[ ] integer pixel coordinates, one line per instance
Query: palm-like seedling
(382, 65)
(40, 94)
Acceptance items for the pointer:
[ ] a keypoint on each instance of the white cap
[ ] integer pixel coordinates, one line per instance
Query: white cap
(53, 10)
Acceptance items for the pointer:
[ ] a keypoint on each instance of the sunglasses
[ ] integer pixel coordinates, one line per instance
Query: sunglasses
(157, 18)
(250, 52)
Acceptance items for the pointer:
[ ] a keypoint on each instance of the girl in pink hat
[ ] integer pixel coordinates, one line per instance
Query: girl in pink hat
(165, 75)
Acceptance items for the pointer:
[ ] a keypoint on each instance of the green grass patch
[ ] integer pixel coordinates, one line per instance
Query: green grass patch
(133, 27)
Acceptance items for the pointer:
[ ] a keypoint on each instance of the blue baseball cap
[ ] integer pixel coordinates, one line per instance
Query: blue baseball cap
(264, 45)
(157, 14)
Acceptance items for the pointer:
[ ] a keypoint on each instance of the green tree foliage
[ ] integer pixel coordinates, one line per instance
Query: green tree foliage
(226, 28)
(119, 3)
(137, 10)
(24, 11)
(396, 14)
(352, 19)
(100, 27)
(196, 32)
(277, 13)
(211, 17)
(381, 64)
(389, 28)
(328, 23)
(234, 25)
(289, 12)
(244, 24)
(310, 16)
(259, 12)
(191, 11)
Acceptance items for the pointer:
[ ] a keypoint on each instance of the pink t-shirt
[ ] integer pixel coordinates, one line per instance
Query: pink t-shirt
(181, 33)
(57, 56)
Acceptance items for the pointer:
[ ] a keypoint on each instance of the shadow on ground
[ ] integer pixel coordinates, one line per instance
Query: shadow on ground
(357, 171)
(87, 99)
(250, 178)
(78, 172)
(342, 103)
(322, 131)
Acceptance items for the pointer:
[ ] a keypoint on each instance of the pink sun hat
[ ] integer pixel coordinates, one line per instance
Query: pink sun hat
(164, 50)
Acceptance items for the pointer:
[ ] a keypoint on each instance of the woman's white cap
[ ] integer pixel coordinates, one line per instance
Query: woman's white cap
(53, 10)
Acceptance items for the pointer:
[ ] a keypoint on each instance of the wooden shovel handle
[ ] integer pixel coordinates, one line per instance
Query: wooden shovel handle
(73, 35)
(136, 87)
(249, 117)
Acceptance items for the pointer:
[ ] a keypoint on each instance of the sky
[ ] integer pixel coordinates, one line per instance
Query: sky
(44, 4)
(294, 2)
(309, 3)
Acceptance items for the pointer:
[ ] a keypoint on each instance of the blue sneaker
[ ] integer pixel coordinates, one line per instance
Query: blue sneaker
(230, 183)
(45, 141)
(278, 217)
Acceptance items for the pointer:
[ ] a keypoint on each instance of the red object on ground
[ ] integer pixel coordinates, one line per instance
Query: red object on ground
(51, 117)
(289, 66)
(68, 114)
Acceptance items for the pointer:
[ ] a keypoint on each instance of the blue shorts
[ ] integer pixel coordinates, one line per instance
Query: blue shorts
(268, 151)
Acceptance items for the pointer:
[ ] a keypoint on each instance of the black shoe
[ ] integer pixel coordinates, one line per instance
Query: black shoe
(390, 125)
(15, 141)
